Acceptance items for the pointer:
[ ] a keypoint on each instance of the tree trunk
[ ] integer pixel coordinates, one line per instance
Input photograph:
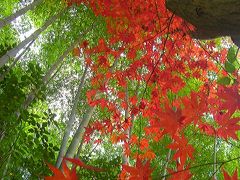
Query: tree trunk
(78, 136)
(63, 147)
(80, 132)
(79, 149)
(20, 12)
(125, 158)
(213, 18)
(11, 53)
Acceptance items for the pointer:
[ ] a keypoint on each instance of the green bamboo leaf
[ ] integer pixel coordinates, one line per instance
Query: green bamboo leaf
(229, 67)
(231, 56)
(224, 81)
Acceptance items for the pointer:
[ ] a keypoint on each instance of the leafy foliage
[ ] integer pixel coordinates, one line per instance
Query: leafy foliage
(164, 103)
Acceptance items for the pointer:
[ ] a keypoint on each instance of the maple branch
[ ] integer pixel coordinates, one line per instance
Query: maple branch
(201, 165)
(215, 173)
(145, 89)
(93, 149)
(211, 56)
(226, 141)
(164, 47)
(132, 116)
(200, 44)
(128, 131)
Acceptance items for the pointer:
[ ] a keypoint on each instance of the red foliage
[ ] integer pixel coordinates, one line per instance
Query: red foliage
(161, 56)
(66, 173)
(181, 174)
(228, 177)
(229, 98)
(228, 126)
(183, 149)
(141, 171)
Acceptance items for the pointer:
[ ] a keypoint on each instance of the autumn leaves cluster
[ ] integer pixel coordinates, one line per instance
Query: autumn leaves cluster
(142, 76)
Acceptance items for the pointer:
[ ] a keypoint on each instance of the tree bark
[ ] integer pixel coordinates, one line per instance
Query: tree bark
(79, 149)
(80, 132)
(11, 53)
(63, 147)
(213, 18)
(125, 158)
(78, 136)
(20, 12)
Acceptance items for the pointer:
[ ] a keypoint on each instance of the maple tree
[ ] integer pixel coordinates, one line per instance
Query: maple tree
(157, 35)
(153, 87)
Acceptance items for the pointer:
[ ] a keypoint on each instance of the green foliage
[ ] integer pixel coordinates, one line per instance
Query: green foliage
(224, 80)
(7, 39)
(105, 156)
(45, 10)
(7, 7)
(231, 56)
(29, 135)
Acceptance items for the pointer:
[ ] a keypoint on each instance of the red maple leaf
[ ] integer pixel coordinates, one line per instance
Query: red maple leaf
(230, 98)
(171, 120)
(144, 144)
(66, 174)
(141, 171)
(183, 149)
(228, 126)
(194, 108)
(228, 177)
(180, 174)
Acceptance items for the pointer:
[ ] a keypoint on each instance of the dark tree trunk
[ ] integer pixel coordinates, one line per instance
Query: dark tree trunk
(212, 18)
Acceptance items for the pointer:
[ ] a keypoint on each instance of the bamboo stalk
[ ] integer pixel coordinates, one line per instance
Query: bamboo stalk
(9, 19)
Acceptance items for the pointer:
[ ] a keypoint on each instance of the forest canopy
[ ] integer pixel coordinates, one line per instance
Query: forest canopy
(93, 89)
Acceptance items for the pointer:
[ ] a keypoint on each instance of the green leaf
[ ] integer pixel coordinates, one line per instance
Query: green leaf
(229, 67)
(31, 130)
(231, 56)
(224, 81)
(44, 124)
(55, 148)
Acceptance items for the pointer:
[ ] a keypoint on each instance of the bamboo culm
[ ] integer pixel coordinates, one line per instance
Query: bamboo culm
(63, 147)
(9, 19)
(12, 53)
